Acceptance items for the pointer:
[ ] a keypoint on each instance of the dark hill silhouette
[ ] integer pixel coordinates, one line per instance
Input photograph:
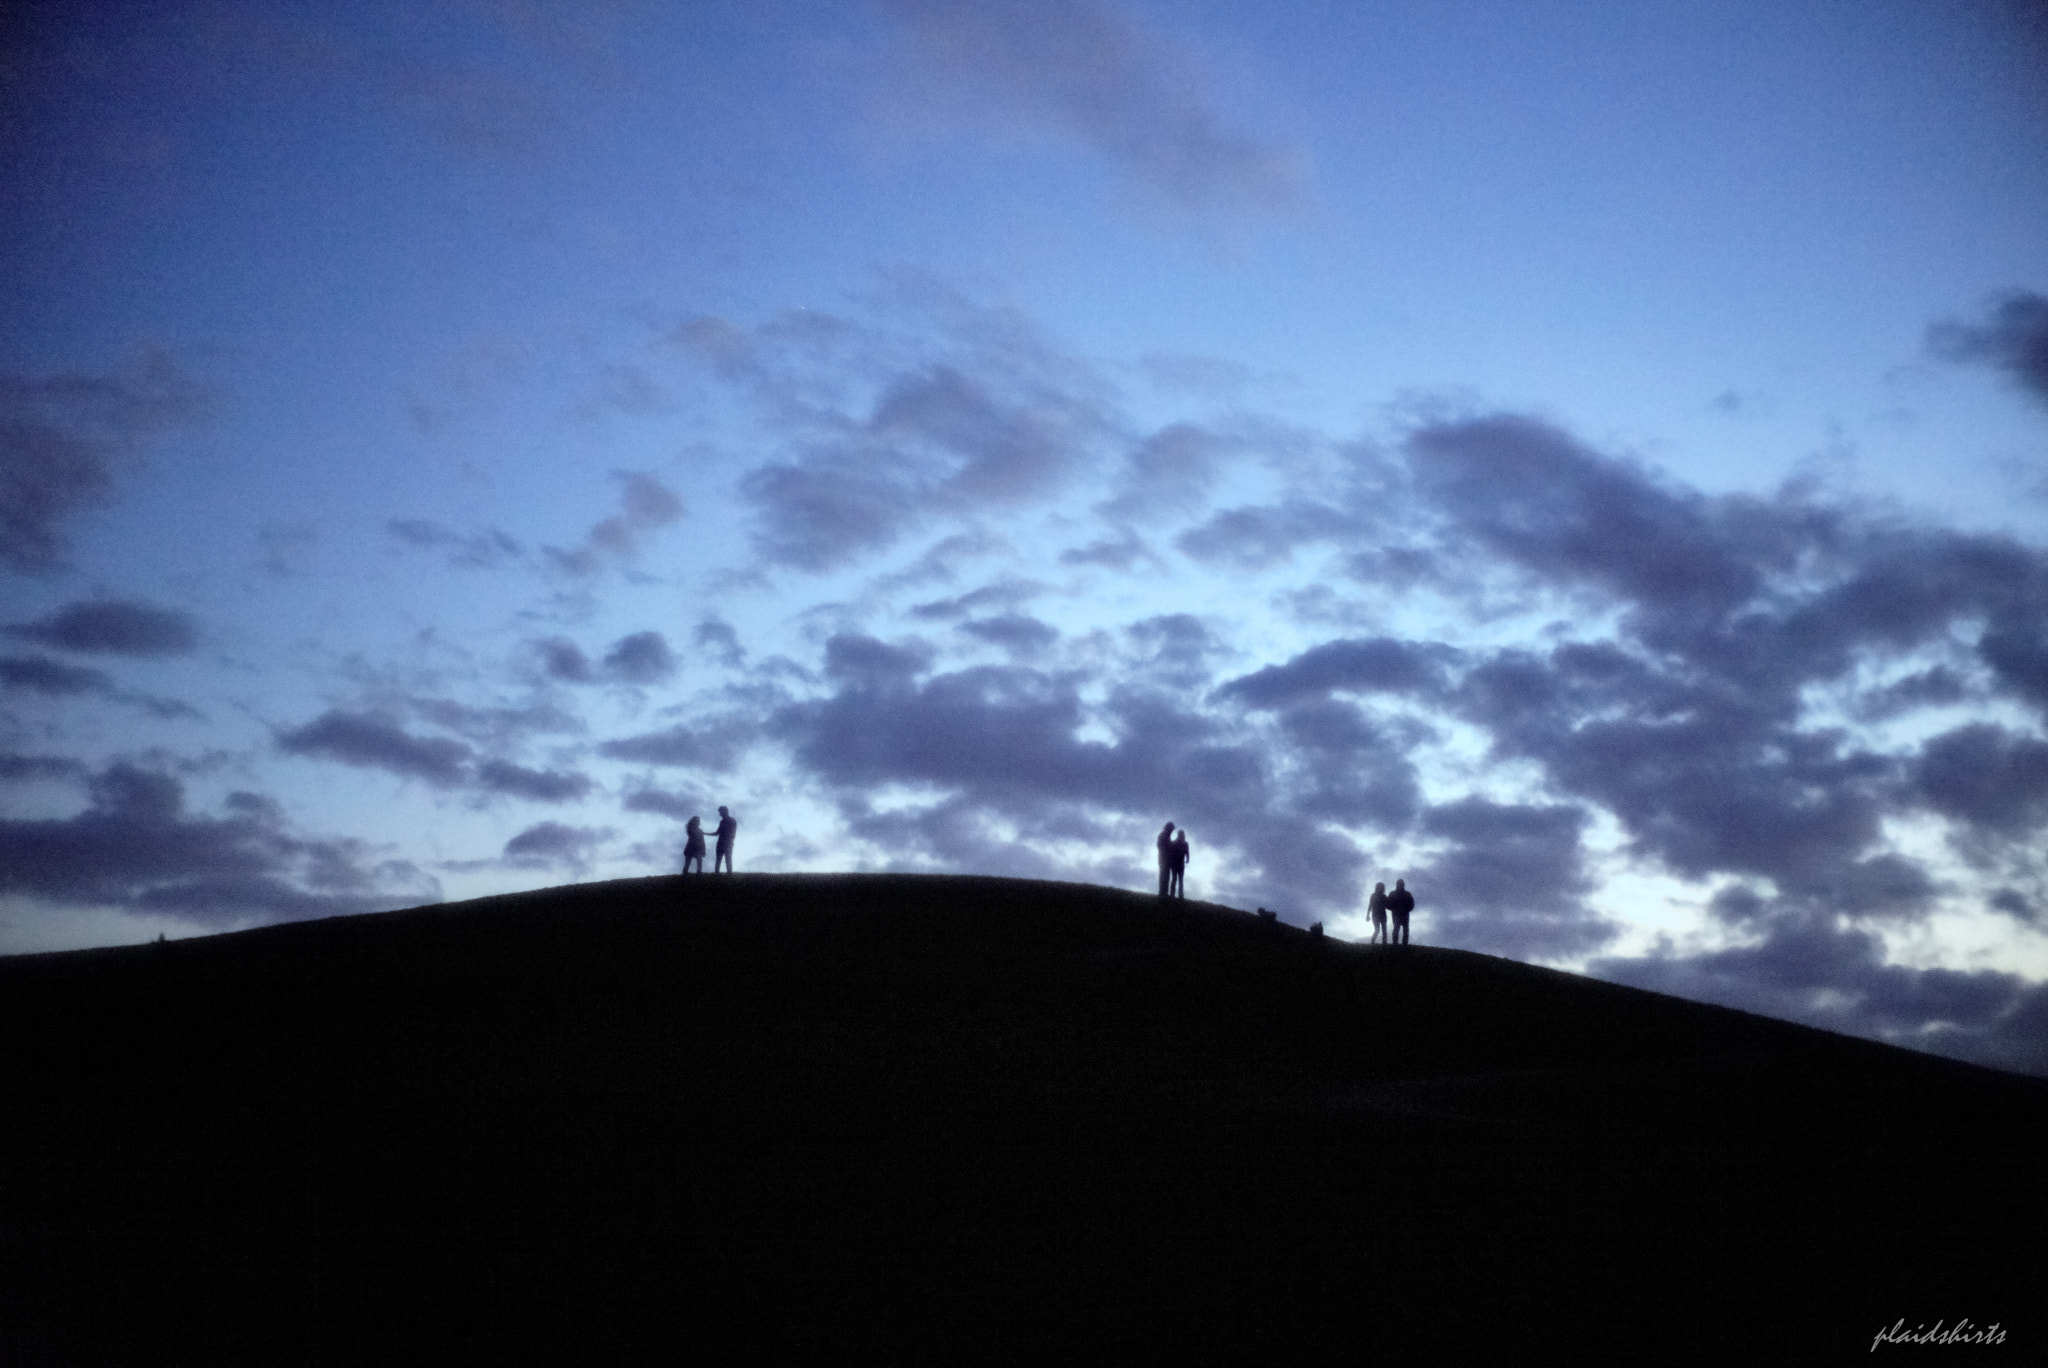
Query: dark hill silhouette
(1010, 1119)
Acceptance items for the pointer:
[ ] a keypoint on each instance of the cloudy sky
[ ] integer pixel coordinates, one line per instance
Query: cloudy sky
(1588, 459)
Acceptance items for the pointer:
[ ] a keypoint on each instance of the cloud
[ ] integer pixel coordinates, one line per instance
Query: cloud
(1808, 968)
(2013, 338)
(1352, 665)
(1018, 633)
(713, 743)
(646, 506)
(1987, 777)
(563, 659)
(135, 847)
(374, 741)
(1008, 594)
(41, 674)
(16, 768)
(540, 786)
(1512, 880)
(1259, 538)
(482, 550)
(1170, 472)
(720, 640)
(875, 437)
(890, 725)
(642, 658)
(1087, 70)
(113, 627)
(62, 436)
(550, 844)
(1120, 553)
(1176, 650)
(676, 805)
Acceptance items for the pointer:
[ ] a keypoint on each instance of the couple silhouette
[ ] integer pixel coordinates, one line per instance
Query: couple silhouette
(1400, 902)
(693, 843)
(1173, 860)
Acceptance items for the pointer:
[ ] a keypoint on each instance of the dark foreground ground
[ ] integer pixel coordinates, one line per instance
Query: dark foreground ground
(987, 1118)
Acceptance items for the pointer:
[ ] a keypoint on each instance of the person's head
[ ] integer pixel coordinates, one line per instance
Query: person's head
(723, 813)
(695, 820)
(1379, 888)
(1167, 827)
(1397, 883)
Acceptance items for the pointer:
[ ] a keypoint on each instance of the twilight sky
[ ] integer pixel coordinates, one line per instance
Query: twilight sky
(1588, 459)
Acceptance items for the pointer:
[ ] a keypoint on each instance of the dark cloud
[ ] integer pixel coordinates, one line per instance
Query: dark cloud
(18, 768)
(1000, 749)
(41, 674)
(482, 550)
(944, 560)
(62, 437)
(1533, 495)
(720, 640)
(113, 627)
(1809, 968)
(1177, 650)
(374, 741)
(1088, 70)
(1987, 777)
(1372, 665)
(1348, 769)
(1018, 633)
(642, 658)
(676, 805)
(540, 786)
(1511, 882)
(862, 659)
(1260, 537)
(980, 415)
(496, 728)
(1121, 553)
(936, 441)
(2013, 338)
(711, 743)
(1009, 594)
(1169, 473)
(135, 847)
(547, 844)
(563, 659)
(646, 506)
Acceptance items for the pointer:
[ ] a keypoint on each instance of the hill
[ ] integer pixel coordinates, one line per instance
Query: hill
(1010, 1119)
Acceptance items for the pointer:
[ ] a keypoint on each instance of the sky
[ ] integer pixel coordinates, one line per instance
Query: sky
(1588, 460)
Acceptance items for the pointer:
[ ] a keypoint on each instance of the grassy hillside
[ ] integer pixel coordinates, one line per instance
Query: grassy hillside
(1002, 1117)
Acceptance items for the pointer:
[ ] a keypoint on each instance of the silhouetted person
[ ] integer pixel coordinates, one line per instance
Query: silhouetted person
(1180, 860)
(728, 827)
(693, 845)
(1165, 844)
(1400, 902)
(1377, 906)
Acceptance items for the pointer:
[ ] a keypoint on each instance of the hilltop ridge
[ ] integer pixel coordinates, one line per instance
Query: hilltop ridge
(992, 1112)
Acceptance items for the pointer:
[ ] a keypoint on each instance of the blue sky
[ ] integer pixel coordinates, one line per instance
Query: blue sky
(1590, 460)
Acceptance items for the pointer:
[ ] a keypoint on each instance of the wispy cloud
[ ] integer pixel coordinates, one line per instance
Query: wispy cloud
(1092, 72)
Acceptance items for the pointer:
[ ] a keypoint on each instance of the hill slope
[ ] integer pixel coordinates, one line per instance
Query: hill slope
(1015, 1118)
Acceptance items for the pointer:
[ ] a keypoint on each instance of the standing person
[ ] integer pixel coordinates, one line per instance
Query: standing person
(1180, 860)
(1165, 844)
(1400, 902)
(693, 845)
(728, 827)
(1377, 906)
